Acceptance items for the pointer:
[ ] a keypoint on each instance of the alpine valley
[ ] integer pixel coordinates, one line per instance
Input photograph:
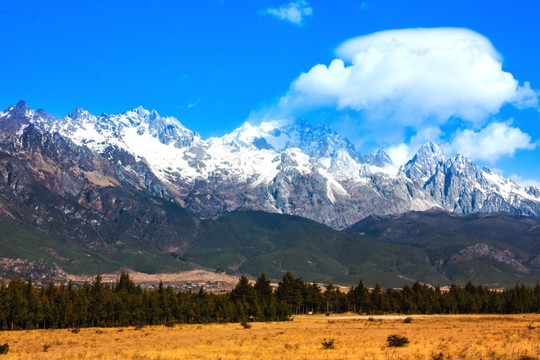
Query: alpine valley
(84, 194)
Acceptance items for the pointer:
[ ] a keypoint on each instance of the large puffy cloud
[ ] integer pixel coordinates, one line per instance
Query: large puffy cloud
(411, 77)
(408, 85)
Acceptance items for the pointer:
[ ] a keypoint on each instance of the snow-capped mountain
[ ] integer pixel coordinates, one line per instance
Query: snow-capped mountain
(462, 187)
(289, 167)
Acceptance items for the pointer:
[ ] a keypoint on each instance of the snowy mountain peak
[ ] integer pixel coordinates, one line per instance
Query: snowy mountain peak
(533, 191)
(379, 159)
(424, 164)
(430, 150)
(20, 109)
(317, 141)
(16, 116)
(80, 114)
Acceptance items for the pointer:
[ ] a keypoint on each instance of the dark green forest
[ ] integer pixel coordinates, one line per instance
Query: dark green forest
(23, 306)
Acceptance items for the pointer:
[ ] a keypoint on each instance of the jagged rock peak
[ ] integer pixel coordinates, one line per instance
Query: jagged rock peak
(379, 158)
(19, 109)
(21, 105)
(318, 141)
(16, 116)
(430, 149)
(533, 190)
(79, 113)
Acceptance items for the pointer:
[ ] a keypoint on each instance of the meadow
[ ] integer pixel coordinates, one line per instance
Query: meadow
(355, 337)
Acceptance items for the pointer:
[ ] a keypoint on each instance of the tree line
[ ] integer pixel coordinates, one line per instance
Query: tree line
(23, 306)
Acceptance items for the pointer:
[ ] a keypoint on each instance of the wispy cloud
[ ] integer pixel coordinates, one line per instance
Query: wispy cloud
(192, 105)
(524, 182)
(367, 5)
(293, 12)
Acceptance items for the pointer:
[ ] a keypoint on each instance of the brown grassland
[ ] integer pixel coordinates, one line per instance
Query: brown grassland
(431, 337)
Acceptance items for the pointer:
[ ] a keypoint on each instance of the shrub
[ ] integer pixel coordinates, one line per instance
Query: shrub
(76, 330)
(46, 347)
(245, 324)
(397, 341)
(370, 319)
(4, 348)
(327, 344)
(407, 320)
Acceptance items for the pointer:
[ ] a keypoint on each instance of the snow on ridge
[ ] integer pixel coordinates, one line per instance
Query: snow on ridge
(507, 188)
(255, 155)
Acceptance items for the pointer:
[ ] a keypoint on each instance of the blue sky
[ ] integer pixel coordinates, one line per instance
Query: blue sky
(215, 64)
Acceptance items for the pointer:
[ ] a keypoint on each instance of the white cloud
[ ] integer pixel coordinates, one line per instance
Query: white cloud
(412, 77)
(400, 153)
(192, 105)
(490, 143)
(404, 152)
(524, 182)
(293, 12)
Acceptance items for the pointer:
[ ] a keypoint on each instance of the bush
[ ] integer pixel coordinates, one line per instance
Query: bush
(397, 341)
(245, 325)
(76, 330)
(407, 320)
(327, 344)
(46, 347)
(4, 348)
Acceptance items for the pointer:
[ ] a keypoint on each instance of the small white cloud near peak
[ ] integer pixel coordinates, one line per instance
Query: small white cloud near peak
(524, 182)
(293, 12)
(496, 140)
(193, 104)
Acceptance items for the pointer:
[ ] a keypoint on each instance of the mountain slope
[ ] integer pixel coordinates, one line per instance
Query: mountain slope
(106, 203)
(486, 248)
(130, 190)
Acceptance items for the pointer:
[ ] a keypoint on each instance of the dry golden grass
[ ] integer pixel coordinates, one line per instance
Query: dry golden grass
(431, 337)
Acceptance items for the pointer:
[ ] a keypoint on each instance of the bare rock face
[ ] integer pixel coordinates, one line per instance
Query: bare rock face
(24, 268)
(475, 251)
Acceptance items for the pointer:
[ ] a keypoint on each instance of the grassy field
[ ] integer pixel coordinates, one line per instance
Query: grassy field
(431, 337)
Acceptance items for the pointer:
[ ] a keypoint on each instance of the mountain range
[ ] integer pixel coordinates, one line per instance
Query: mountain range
(142, 191)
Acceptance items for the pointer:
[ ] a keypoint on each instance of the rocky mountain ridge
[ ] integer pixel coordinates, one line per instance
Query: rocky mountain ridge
(278, 166)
